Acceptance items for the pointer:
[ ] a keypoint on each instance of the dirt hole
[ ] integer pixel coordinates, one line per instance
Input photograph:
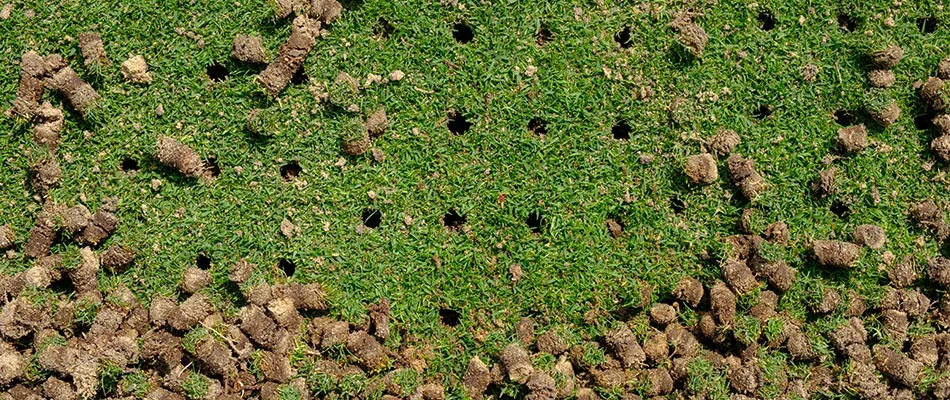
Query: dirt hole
(383, 28)
(203, 261)
(847, 22)
(129, 164)
(217, 72)
(463, 32)
(538, 126)
(927, 24)
(840, 209)
(677, 205)
(767, 19)
(762, 112)
(536, 221)
(453, 220)
(544, 35)
(290, 171)
(845, 117)
(923, 122)
(212, 167)
(623, 37)
(288, 266)
(300, 77)
(621, 130)
(372, 218)
(449, 317)
(458, 124)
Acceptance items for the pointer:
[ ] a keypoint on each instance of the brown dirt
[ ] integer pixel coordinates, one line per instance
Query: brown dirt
(241, 271)
(910, 301)
(356, 145)
(882, 78)
(74, 219)
(57, 389)
(932, 93)
(924, 349)
(656, 347)
(745, 379)
(739, 277)
(45, 175)
(30, 91)
(798, 345)
(897, 366)
(541, 386)
(941, 147)
(866, 382)
(825, 185)
(659, 382)
(904, 273)
(178, 156)
(290, 57)
(194, 279)
(662, 314)
(80, 94)
(7, 237)
(835, 253)
(248, 49)
(101, 225)
(48, 125)
(377, 123)
(517, 363)
(135, 70)
(283, 311)
(871, 236)
(810, 73)
(624, 344)
(701, 169)
(309, 297)
(943, 68)
(379, 319)
(850, 340)
(41, 237)
(723, 142)
(258, 326)
(887, 58)
(691, 35)
(927, 215)
(190, 312)
(722, 302)
(886, 116)
(777, 232)
(895, 325)
(117, 258)
(852, 139)
(689, 290)
(325, 10)
(93, 49)
(476, 378)
(830, 299)
(614, 228)
(275, 367)
(765, 306)
(745, 177)
(942, 124)
(938, 269)
(552, 343)
(161, 349)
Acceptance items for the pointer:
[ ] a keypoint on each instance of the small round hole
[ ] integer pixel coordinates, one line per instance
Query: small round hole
(203, 261)
(538, 126)
(449, 317)
(927, 24)
(621, 130)
(923, 122)
(623, 38)
(544, 35)
(847, 22)
(212, 168)
(217, 72)
(844, 117)
(453, 220)
(300, 77)
(535, 221)
(383, 28)
(767, 20)
(458, 124)
(764, 111)
(463, 32)
(129, 164)
(840, 209)
(372, 218)
(290, 171)
(677, 205)
(287, 266)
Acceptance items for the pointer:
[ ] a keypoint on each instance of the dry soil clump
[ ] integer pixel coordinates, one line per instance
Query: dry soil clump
(93, 49)
(290, 57)
(178, 156)
(135, 70)
(701, 169)
(248, 49)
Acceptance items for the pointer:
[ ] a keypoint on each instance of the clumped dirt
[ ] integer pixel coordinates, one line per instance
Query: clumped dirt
(93, 50)
(852, 139)
(871, 236)
(30, 91)
(45, 174)
(744, 176)
(355, 139)
(377, 123)
(932, 94)
(835, 253)
(701, 169)
(689, 291)
(882, 78)
(928, 216)
(691, 35)
(723, 142)
(135, 70)
(48, 124)
(886, 115)
(80, 94)
(117, 258)
(248, 49)
(178, 156)
(291, 55)
(888, 57)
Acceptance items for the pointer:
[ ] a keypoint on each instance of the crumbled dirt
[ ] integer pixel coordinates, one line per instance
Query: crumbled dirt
(927, 215)
(190, 312)
(248, 49)
(852, 139)
(46, 174)
(135, 70)
(662, 314)
(541, 386)
(897, 366)
(379, 319)
(943, 68)
(904, 273)
(835, 253)
(656, 348)
(923, 349)
(195, 279)
(624, 344)
(882, 78)
(178, 156)
(41, 237)
(866, 382)
(938, 269)
(659, 382)
(850, 340)
(871, 236)
(777, 232)
(745, 379)
(810, 73)
(30, 90)
(887, 58)
(942, 124)
(701, 169)
(7, 237)
(723, 304)
(325, 10)
(93, 49)
(117, 258)
(778, 273)
(798, 345)
(615, 229)
(290, 57)
(941, 147)
(377, 123)
(48, 126)
(691, 35)
(356, 140)
(739, 277)
(689, 290)
(887, 115)
(765, 306)
(241, 271)
(932, 93)
(476, 378)
(745, 177)
(830, 299)
(552, 343)
(517, 363)
(723, 142)
(275, 367)
(101, 225)
(895, 325)
(825, 185)
(74, 219)
(80, 94)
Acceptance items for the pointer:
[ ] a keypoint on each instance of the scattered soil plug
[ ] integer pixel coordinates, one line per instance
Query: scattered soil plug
(852, 139)
(291, 55)
(887, 58)
(30, 91)
(93, 50)
(691, 35)
(79, 93)
(49, 124)
(745, 177)
(248, 49)
(701, 169)
(835, 253)
(135, 70)
(178, 156)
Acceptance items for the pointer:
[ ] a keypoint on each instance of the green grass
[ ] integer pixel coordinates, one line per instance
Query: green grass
(577, 176)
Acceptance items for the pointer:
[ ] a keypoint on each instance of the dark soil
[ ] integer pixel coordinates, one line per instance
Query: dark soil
(835, 253)
(887, 58)
(743, 174)
(290, 57)
(80, 94)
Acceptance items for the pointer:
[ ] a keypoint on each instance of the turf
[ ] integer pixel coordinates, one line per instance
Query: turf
(498, 172)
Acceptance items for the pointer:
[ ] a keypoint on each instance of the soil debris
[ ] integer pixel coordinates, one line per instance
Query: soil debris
(178, 156)
(941, 147)
(290, 57)
(135, 70)
(723, 142)
(932, 93)
(927, 215)
(689, 290)
(517, 363)
(248, 49)
(7, 237)
(691, 35)
(904, 273)
(744, 176)
(701, 169)
(46, 174)
(195, 279)
(882, 78)
(48, 125)
(93, 50)
(355, 138)
(885, 115)
(30, 90)
(377, 123)
(80, 94)
(117, 258)
(871, 236)
(852, 139)
(739, 277)
(722, 302)
(887, 58)
(835, 253)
